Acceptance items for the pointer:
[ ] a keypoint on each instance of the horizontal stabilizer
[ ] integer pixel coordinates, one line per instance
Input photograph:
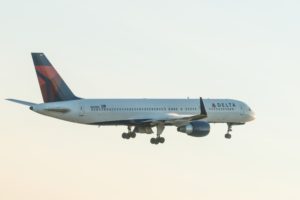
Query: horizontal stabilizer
(22, 102)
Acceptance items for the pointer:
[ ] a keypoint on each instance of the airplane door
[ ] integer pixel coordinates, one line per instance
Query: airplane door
(81, 110)
(242, 110)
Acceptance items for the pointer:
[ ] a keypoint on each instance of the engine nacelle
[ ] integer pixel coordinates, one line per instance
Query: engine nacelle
(195, 128)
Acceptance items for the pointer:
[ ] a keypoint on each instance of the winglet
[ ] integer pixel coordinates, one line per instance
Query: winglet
(202, 108)
(22, 102)
(202, 115)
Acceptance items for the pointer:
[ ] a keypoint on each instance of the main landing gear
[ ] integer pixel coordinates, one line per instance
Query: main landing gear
(148, 130)
(130, 134)
(228, 135)
(158, 139)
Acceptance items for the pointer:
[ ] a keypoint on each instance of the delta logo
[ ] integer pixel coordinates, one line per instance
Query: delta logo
(223, 106)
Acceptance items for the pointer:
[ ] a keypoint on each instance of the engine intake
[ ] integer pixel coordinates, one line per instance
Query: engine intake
(195, 129)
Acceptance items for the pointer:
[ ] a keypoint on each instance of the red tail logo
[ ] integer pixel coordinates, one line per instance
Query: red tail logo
(52, 86)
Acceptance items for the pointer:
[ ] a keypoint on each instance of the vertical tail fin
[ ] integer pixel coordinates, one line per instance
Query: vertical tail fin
(52, 86)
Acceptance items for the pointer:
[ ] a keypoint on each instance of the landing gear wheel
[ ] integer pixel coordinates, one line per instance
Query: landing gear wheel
(227, 136)
(125, 136)
(152, 140)
(157, 140)
(132, 134)
(161, 140)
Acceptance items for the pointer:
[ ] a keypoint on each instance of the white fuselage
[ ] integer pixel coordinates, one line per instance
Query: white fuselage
(135, 111)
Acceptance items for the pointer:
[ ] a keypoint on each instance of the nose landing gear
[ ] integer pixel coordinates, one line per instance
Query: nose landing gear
(228, 135)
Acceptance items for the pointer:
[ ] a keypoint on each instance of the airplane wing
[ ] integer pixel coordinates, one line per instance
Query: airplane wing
(178, 120)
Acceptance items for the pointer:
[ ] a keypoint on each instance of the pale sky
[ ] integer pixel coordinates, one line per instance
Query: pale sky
(246, 50)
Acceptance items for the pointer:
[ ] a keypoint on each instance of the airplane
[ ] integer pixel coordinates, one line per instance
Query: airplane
(190, 116)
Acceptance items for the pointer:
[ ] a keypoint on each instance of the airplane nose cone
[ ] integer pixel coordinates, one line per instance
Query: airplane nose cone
(251, 116)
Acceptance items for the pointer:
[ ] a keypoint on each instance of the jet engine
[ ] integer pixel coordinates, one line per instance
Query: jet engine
(195, 129)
